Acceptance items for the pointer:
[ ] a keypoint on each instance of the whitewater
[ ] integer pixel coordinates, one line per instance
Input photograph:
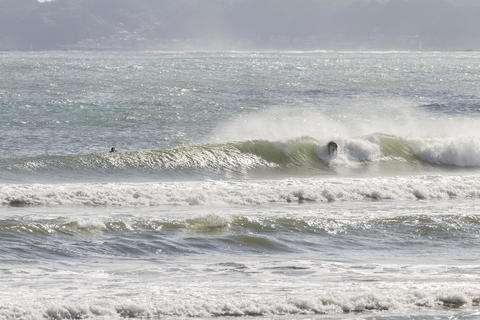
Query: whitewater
(222, 200)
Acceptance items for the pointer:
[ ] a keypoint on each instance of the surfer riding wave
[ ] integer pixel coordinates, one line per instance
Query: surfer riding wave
(332, 148)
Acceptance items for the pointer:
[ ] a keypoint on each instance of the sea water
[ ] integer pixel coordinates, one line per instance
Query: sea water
(222, 200)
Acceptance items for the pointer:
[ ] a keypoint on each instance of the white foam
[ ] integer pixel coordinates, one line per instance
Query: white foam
(242, 192)
(332, 302)
(351, 153)
(461, 151)
(362, 150)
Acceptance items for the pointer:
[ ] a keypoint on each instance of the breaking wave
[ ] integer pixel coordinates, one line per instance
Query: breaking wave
(243, 192)
(325, 303)
(378, 152)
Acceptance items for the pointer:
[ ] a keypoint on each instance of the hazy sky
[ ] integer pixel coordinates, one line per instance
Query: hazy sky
(236, 24)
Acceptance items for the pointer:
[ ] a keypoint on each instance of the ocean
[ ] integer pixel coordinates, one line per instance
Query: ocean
(222, 200)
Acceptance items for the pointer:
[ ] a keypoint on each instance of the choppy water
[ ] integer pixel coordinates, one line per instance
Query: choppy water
(222, 200)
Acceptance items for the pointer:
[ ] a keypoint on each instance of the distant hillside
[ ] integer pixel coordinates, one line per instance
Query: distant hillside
(240, 24)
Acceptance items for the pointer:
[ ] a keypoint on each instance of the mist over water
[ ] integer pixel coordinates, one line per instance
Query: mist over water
(240, 24)
(222, 200)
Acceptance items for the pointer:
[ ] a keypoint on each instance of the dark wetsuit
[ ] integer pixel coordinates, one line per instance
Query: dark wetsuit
(332, 148)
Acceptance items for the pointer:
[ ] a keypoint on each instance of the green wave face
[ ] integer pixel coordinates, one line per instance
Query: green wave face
(309, 152)
(225, 156)
(230, 156)
(378, 151)
(297, 153)
(395, 147)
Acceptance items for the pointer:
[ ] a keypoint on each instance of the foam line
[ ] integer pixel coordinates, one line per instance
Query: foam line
(250, 192)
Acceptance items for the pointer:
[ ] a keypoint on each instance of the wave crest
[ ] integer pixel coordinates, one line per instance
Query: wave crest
(378, 151)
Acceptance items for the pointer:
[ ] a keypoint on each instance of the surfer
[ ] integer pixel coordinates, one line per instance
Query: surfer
(113, 150)
(332, 148)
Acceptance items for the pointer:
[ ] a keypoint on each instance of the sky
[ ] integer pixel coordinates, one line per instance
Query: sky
(240, 24)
